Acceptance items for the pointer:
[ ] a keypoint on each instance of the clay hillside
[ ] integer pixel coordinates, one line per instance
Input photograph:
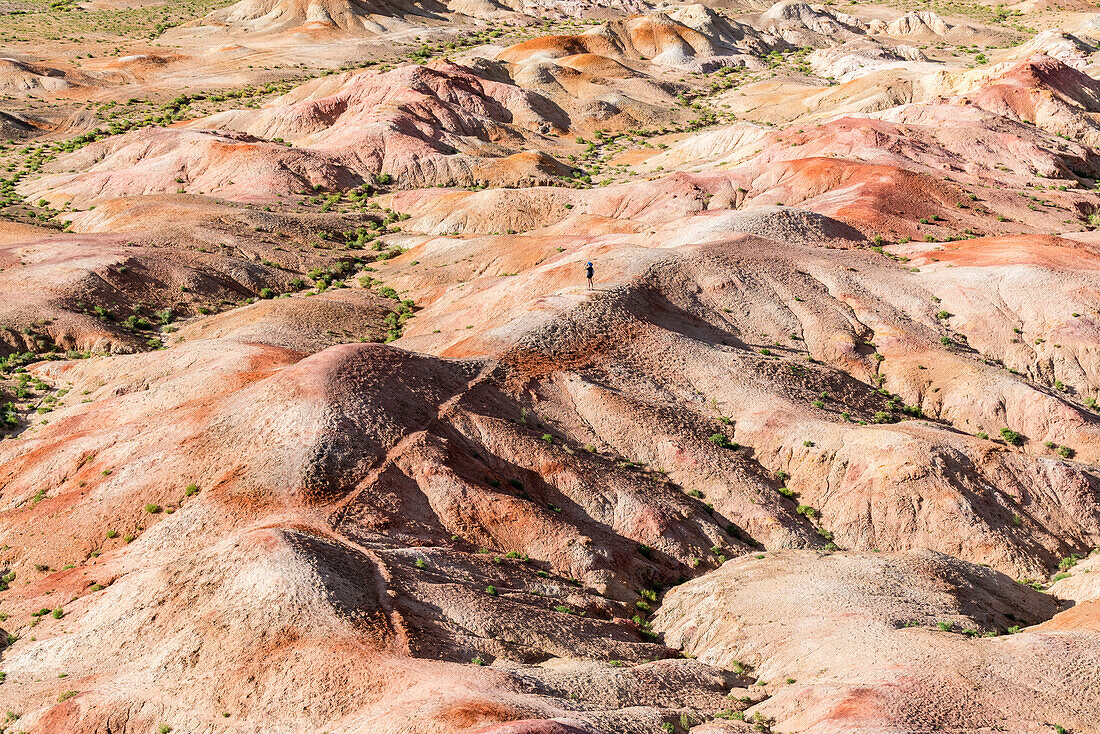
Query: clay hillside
(310, 420)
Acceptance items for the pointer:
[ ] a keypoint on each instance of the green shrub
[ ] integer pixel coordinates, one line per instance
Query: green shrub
(722, 441)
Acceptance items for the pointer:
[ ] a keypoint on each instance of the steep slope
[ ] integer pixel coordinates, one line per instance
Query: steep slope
(333, 537)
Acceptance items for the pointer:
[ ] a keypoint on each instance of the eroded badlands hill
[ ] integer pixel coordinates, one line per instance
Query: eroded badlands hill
(310, 422)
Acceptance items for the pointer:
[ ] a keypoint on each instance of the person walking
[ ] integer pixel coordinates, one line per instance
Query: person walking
(589, 271)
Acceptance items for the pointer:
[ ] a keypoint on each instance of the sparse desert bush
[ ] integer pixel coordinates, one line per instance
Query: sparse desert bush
(722, 441)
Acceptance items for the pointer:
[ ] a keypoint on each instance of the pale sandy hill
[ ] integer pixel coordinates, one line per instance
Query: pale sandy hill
(353, 16)
(802, 24)
(873, 643)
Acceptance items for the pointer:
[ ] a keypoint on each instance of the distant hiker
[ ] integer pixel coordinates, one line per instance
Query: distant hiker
(589, 271)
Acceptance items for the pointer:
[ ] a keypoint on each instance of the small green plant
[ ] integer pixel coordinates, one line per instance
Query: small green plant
(1011, 436)
(112, 533)
(1069, 562)
(152, 509)
(722, 441)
